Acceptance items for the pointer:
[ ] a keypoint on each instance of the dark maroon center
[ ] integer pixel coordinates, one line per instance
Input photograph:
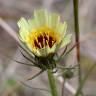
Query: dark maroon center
(43, 40)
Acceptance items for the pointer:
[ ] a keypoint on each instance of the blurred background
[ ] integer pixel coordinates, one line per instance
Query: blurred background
(11, 72)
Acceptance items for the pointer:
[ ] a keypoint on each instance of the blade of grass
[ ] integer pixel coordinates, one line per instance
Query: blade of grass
(84, 80)
(76, 26)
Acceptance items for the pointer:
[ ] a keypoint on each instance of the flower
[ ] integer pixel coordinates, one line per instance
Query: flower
(44, 34)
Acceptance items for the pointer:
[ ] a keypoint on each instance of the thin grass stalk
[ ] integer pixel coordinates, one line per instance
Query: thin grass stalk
(76, 23)
(84, 80)
(76, 26)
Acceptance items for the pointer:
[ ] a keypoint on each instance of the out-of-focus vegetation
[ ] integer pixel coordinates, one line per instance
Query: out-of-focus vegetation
(11, 72)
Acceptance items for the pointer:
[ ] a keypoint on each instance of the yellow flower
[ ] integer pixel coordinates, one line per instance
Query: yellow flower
(44, 34)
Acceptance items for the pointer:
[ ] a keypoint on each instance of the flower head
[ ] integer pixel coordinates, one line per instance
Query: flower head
(43, 34)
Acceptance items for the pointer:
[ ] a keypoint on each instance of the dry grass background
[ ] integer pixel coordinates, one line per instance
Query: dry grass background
(11, 72)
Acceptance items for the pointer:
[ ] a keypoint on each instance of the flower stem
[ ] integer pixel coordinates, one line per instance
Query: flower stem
(52, 83)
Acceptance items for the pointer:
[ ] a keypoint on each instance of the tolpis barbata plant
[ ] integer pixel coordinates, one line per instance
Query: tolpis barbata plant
(43, 36)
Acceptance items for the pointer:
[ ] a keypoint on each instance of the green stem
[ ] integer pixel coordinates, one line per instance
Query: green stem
(52, 83)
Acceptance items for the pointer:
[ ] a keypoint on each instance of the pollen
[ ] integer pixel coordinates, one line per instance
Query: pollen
(42, 37)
